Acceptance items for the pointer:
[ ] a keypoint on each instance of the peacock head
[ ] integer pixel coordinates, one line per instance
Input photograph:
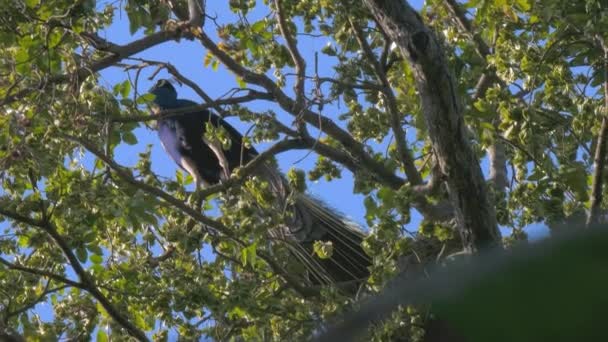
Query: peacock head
(165, 94)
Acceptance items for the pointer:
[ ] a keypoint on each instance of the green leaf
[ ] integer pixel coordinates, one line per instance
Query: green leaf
(249, 255)
(387, 195)
(96, 259)
(101, 336)
(524, 5)
(237, 312)
(22, 59)
(135, 20)
(32, 3)
(259, 26)
(179, 177)
(96, 249)
(329, 50)
(24, 241)
(141, 322)
(99, 164)
(145, 98)
(82, 254)
(123, 88)
(297, 179)
(208, 59)
(323, 249)
(129, 138)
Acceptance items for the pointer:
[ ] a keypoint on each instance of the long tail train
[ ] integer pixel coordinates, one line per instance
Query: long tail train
(314, 221)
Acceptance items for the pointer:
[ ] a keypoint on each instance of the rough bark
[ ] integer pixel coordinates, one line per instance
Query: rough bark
(496, 151)
(498, 168)
(599, 162)
(475, 216)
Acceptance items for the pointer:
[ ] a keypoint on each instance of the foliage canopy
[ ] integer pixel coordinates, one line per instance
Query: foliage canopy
(117, 251)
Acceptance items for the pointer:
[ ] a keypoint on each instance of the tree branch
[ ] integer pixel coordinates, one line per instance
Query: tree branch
(183, 79)
(40, 298)
(300, 64)
(476, 219)
(324, 124)
(167, 113)
(364, 86)
(599, 161)
(413, 176)
(465, 25)
(42, 273)
(119, 52)
(86, 282)
(356, 150)
(89, 284)
(496, 151)
(197, 216)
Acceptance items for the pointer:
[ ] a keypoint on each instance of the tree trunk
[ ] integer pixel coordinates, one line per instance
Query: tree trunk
(475, 216)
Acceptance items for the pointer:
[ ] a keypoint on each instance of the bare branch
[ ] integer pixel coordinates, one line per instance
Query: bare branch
(364, 86)
(119, 52)
(164, 114)
(42, 273)
(413, 176)
(323, 123)
(183, 79)
(465, 25)
(40, 298)
(194, 214)
(300, 64)
(485, 81)
(86, 281)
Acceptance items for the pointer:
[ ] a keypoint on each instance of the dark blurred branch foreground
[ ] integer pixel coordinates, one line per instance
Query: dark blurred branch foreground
(524, 294)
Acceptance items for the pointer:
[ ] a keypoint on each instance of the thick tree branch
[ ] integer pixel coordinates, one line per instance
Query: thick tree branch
(476, 219)
(497, 157)
(599, 161)
(196, 12)
(356, 150)
(496, 151)
(319, 121)
(20, 218)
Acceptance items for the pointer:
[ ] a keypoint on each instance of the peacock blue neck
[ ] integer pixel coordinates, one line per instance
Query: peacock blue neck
(165, 97)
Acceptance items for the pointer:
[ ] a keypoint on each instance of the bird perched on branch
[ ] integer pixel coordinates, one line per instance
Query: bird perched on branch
(209, 162)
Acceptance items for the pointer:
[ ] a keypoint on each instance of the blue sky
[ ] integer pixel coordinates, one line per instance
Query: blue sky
(188, 57)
